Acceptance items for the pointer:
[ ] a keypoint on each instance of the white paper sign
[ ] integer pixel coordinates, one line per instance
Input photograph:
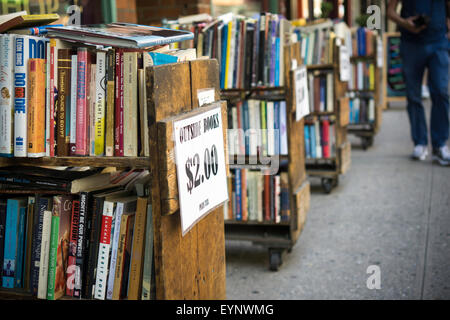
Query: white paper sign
(200, 159)
(301, 93)
(344, 63)
(205, 96)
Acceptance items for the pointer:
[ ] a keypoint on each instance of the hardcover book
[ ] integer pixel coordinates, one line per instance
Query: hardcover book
(6, 95)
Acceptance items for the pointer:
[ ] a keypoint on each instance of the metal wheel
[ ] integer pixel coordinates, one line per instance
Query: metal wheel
(274, 260)
(327, 184)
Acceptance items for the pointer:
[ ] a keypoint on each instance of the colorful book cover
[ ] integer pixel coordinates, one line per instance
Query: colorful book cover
(10, 250)
(81, 148)
(73, 105)
(307, 141)
(263, 128)
(6, 96)
(100, 103)
(227, 57)
(74, 231)
(59, 247)
(36, 110)
(25, 47)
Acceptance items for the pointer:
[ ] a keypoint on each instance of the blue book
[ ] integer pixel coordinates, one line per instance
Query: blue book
(246, 126)
(361, 40)
(351, 110)
(322, 88)
(20, 247)
(306, 50)
(223, 56)
(272, 52)
(237, 181)
(283, 129)
(276, 126)
(277, 62)
(118, 34)
(162, 58)
(10, 254)
(307, 142)
(312, 135)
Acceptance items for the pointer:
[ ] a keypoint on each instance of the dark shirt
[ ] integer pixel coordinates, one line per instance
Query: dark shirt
(435, 10)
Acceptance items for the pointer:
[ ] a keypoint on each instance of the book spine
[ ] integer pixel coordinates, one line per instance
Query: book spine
(74, 231)
(92, 106)
(53, 94)
(82, 107)
(73, 105)
(47, 100)
(53, 248)
(277, 195)
(266, 198)
(18, 276)
(33, 181)
(115, 243)
(6, 96)
(110, 94)
(20, 98)
(81, 243)
(130, 112)
(2, 235)
(135, 275)
(36, 108)
(9, 264)
(44, 254)
(326, 138)
(148, 256)
(119, 98)
(100, 104)
(121, 257)
(238, 190)
(103, 251)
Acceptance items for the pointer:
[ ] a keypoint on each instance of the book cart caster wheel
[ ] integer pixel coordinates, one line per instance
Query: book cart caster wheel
(327, 184)
(366, 142)
(274, 260)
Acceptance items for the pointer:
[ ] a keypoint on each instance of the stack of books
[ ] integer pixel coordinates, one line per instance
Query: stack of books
(89, 244)
(321, 91)
(258, 197)
(317, 42)
(362, 75)
(80, 90)
(363, 42)
(257, 127)
(362, 109)
(320, 138)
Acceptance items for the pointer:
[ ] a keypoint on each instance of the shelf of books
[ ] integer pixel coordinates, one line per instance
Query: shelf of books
(327, 150)
(88, 206)
(364, 86)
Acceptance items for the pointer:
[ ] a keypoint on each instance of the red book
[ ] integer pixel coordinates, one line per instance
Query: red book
(316, 93)
(325, 138)
(119, 101)
(267, 197)
(71, 264)
(52, 84)
(83, 79)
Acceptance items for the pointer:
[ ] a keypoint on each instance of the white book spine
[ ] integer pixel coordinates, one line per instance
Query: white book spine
(47, 101)
(283, 129)
(6, 96)
(371, 113)
(114, 245)
(330, 92)
(100, 96)
(235, 138)
(270, 129)
(103, 251)
(73, 103)
(45, 251)
(318, 140)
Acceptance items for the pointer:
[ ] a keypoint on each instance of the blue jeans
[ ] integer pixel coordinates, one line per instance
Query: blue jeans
(433, 56)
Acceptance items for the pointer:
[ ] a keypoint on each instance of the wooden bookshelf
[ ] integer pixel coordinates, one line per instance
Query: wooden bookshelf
(329, 169)
(282, 236)
(368, 130)
(186, 267)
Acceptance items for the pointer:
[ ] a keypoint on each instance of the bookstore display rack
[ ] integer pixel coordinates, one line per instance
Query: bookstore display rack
(185, 267)
(365, 108)
(337, 160)
(277, 235)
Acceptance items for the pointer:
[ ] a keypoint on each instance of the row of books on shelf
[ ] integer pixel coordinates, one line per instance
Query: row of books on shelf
(321, 91)
(317, 42)
(320, 138)
(250, 51)
(96, 244)
(362, 110)
(257, 127)
(258, 197)
(61, 98)
(362, 75)
(363, 42)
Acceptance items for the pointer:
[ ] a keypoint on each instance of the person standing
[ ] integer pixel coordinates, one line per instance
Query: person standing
(424, 45)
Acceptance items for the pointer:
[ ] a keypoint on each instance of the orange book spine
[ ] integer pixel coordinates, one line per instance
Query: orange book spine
(36, 108)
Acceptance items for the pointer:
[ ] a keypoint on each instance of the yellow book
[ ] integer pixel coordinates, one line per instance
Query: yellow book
(100, 104)
(36, 108)
(227, 63)
(26, 20)
(371, 76)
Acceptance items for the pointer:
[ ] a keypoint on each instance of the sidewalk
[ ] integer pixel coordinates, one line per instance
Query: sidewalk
(388, 211)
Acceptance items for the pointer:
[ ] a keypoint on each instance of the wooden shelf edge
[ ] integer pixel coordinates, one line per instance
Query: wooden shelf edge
(136, 162)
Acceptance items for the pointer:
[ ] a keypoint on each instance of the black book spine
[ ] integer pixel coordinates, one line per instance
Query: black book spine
(33, 181)
(2, 230)
(261, 51)
(93, 246)
(82, 242)
(41, 204)
(272, 198)
(248, 57)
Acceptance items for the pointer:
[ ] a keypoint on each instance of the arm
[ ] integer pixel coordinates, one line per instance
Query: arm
(405, 23)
